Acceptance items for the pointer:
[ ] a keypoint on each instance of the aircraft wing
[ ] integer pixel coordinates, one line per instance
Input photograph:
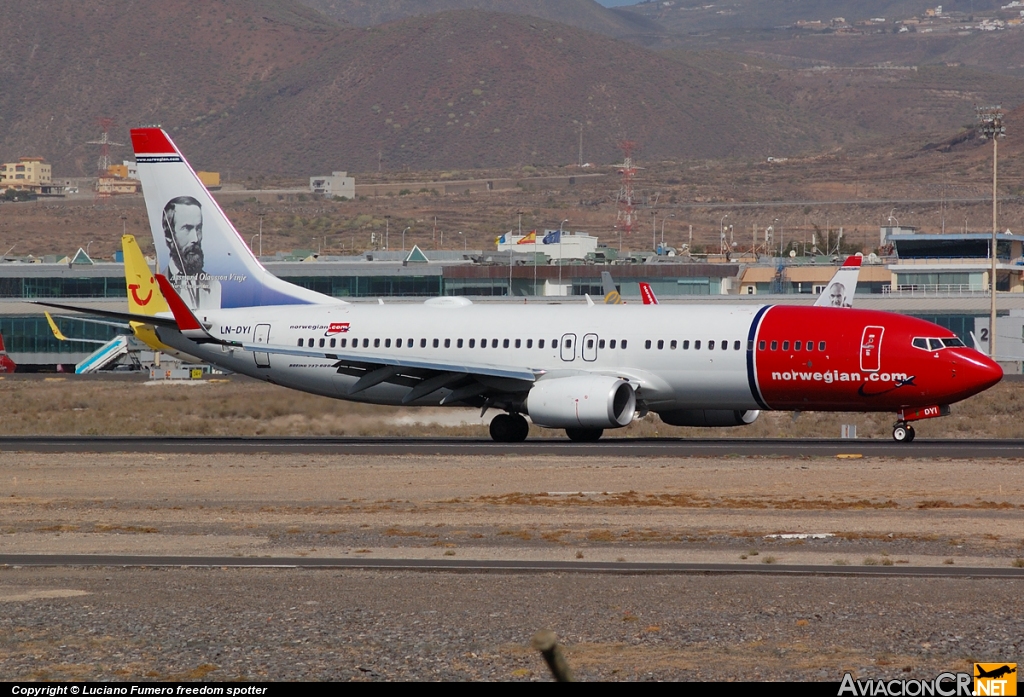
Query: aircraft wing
(424, 377)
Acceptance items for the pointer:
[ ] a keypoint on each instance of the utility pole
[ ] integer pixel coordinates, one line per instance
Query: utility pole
(991, 126)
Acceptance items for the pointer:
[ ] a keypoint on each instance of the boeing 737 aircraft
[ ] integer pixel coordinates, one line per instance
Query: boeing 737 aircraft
(579, 367)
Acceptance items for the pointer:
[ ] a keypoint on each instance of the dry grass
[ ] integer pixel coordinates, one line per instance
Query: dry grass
(244, 408)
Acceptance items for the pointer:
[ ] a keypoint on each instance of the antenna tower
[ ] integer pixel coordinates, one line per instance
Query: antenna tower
(104, 142)
(627, 210)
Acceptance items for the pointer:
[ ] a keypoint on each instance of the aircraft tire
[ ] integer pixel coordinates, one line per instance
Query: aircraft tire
(584, 435)
(901, 433)
(503, 428)
(520, 428)
(910, 434)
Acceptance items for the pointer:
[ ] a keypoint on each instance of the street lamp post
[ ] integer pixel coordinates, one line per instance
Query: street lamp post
(663, 219)
(403, 236)
(560, 254)
(261, 215)
(387, 230)
(992, 127)
(721, 238)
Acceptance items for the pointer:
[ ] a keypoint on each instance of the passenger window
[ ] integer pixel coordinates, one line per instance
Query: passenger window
(725, 345)
(472, 343)
(775, 345)
(810, 345)
(623, 343)
(366, 343)
(409, 343)
(300, 342)
(494, 343)
(387, 343)
(672, 345)
(519, 343)
(821, 345)
(686, 344)
(661, 344)
(760, 345)
(711, 345)
(568, 343)
(529, 343)
(647, 344)
(785, 345)
(504, 344)
(436, 343)
(423, 343)
(540, 343)
(600, 343)
(796, 346)
(590, 343)
(736, 345)
(447, 343)
(611, 344)
(333, 342)
(398, 343)
(696, 345)
(458, 344)
(344, 342)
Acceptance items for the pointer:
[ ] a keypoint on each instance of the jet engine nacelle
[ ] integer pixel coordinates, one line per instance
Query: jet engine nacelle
(709, 417)
(584, 401)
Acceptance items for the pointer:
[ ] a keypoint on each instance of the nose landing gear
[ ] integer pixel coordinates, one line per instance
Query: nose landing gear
(903, 432)
(509, 428)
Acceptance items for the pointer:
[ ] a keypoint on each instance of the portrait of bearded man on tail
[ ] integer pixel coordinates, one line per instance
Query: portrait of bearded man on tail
(183, 233)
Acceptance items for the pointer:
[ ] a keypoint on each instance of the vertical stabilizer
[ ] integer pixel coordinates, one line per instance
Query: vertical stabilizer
(839, 291)
(198, 249)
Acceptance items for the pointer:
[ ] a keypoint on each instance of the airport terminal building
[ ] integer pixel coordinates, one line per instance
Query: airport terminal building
(941, 278)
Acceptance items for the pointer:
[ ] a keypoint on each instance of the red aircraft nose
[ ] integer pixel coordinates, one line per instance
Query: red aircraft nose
(973, 372)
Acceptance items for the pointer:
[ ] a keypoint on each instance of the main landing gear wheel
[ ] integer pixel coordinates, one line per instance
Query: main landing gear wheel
(902, 433)
(509, 428)
(584, 435)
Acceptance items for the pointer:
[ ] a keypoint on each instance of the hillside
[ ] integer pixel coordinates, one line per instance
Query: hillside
(65, 64)
(451, 90)
(582, 14)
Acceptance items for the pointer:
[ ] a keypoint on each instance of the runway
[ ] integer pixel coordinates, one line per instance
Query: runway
(504, 566)
(607, 447)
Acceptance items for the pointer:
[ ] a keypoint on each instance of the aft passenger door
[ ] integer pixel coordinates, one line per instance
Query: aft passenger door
(261, 335)
(568, 347)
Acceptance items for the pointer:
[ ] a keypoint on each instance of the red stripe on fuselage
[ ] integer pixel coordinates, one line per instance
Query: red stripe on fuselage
(835, 379)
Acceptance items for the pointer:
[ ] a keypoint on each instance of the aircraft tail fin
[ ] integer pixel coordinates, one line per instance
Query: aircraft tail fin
(6, 364)
(611, 293)
(647, 294)
(144, 297)
(198, 249)
(839, 291)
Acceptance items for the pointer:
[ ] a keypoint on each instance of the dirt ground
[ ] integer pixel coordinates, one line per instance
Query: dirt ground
(757, 510)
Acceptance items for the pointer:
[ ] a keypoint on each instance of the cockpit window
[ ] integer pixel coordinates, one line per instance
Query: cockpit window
(930, 344)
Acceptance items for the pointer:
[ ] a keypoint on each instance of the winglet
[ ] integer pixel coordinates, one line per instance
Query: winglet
(53, 327)
(647, 295)
(187, 322)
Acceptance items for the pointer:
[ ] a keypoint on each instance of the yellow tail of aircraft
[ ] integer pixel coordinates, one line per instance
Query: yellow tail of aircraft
(144, 297)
